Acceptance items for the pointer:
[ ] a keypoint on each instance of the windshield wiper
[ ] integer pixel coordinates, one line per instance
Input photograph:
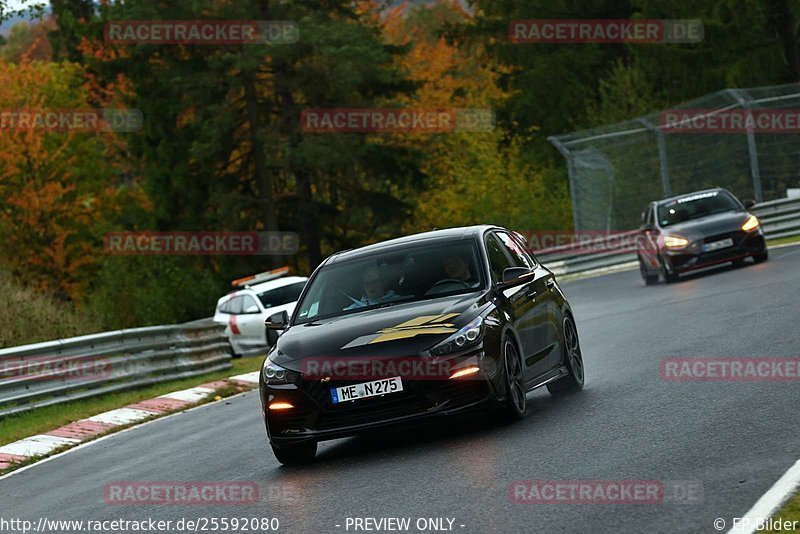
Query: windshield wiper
(393, 302)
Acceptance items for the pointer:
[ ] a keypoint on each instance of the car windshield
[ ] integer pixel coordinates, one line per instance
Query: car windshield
(281, 295)
(417, 272)
(696, 206)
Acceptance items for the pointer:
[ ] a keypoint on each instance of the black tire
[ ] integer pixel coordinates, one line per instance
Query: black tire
(669, 277)
(761, 258)
(573, 358)
(649, 279)
(298, 454)
(516, 404)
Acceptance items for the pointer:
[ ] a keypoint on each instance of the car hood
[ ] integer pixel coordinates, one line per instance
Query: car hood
(400, 330)
(729, 221)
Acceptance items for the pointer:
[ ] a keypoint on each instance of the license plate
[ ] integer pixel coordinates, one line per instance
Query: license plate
(716, 245)
(366, 389)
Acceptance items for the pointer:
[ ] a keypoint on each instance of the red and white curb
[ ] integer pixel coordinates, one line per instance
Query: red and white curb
(84, 430)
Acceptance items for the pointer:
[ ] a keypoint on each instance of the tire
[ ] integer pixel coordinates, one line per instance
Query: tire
(761, 258)
(298, 454)
(516, 404)
(649, 279)
(573, 357)
(669, 277)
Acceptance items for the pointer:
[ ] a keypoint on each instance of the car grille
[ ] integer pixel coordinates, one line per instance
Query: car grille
(736, 236)
(417, 397)
(463, 392)
(290, 419)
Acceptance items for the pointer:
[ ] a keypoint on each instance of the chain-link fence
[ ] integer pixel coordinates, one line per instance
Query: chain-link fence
(717, 140)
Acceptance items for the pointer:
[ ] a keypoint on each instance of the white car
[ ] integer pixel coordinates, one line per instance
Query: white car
(245, 310)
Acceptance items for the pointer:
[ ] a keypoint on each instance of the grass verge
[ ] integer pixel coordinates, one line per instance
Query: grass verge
(790, 512)
(783, 240)
(40, 420)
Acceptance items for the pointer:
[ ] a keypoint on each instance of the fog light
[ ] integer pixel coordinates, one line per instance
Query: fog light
(464, 372)
(280, 406)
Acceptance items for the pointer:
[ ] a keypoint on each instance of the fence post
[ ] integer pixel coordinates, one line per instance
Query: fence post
(755, 172)
(662, 154)
(571, 174)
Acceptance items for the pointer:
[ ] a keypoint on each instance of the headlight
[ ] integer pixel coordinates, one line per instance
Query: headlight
(751, 224)
(674, 241)
(469, 335)
(275, 374)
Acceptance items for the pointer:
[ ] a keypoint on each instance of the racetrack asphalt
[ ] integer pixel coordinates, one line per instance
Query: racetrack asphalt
(732, 439)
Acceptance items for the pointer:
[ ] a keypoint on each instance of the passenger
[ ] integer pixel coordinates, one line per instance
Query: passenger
(374, 290)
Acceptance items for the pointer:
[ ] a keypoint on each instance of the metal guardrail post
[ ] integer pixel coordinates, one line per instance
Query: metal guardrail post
(745, 102)
(571, 174)
(662, 154)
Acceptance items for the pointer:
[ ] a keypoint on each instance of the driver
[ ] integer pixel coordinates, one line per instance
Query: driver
(456, 267)
(374, 290)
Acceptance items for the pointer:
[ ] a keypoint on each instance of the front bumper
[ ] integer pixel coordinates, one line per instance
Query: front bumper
(315, 417)
(693, 257)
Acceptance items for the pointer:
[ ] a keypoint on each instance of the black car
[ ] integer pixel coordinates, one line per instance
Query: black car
(697, 230)
(424, 326)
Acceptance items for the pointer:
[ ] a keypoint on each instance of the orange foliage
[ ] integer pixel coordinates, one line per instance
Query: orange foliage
(51, 183)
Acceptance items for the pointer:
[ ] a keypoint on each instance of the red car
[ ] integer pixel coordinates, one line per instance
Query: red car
(697, 230)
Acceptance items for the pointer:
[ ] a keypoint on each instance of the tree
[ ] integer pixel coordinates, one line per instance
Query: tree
(472, 177)
(54, 186)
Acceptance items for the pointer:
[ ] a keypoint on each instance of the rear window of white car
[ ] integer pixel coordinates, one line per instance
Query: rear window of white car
(232, 306)
(281, 295)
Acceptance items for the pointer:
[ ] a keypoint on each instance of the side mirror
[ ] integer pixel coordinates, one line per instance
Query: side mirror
(748, 203)
(514, 276)
(274, 323)
(277, 321)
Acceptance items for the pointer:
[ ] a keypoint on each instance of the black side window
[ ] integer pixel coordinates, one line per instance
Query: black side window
(648, 216)
(281, 295)
(515, 251)
(498, 261)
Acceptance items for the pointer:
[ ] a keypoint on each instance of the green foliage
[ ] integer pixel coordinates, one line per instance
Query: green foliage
(28, 315)
(149, 290)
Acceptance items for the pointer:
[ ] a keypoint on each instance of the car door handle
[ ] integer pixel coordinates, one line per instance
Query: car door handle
(532, 294)
(550, 283)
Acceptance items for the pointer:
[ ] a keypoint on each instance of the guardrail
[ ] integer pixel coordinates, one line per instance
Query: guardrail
(779, 219)
(43, 374)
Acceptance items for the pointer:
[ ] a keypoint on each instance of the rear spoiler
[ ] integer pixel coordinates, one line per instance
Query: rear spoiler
(260, 277)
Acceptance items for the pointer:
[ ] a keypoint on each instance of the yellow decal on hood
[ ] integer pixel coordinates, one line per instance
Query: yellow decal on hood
(425, 324)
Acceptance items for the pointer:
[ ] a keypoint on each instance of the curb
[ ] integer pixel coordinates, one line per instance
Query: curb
(73, 434)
